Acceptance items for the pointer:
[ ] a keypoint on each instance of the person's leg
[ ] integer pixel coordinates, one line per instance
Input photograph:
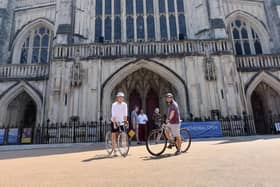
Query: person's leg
(137, 133)
(145, 132)
(141, 133)
(114, 135)
(177, 129)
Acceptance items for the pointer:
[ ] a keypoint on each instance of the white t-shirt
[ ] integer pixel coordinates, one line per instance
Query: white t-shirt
(142, 119)
(119, 111)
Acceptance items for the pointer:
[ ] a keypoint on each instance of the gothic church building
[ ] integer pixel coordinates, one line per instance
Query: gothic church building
(65, 58)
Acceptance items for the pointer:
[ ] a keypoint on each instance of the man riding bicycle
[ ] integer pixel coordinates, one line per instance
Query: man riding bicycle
(173, 121)
(119, 116)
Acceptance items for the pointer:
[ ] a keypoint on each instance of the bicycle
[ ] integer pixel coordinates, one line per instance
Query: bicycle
(157, 140)
(122, 140)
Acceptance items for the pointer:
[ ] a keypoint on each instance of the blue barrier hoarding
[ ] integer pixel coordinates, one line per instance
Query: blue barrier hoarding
(13, 136)
(2, 136)
(204, 129)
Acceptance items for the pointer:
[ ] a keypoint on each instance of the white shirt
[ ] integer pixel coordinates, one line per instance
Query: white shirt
(142, 119)
(119, 111)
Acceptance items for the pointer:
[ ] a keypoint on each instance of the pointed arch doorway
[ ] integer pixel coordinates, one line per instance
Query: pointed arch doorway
(265, 104)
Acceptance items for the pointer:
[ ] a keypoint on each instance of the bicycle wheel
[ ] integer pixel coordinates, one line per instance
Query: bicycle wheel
(108, 142)
(123, 144)
(156, 143)
(186, 140)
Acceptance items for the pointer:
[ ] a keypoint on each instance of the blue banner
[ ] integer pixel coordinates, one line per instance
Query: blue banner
(204, 129)
(2, 136)
(13, 136)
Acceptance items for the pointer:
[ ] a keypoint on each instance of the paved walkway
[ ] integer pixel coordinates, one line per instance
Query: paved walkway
(241, 161)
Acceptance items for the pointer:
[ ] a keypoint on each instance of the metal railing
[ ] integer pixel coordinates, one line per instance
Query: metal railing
(258, 62)
(24, 71)
(162, 48)
(238, 127)
(56, 133)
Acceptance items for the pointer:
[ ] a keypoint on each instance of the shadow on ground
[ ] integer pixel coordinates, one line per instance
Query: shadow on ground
(164, 156)
(98, 157)
(240, 139)
(6, 155)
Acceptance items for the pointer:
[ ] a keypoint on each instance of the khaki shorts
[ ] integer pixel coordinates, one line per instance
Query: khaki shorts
(175, 129)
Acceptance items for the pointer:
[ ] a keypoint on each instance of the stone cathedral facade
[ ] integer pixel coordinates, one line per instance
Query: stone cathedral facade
(61, 59)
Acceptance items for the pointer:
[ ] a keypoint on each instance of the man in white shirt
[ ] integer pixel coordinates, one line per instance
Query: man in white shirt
(142, 121)
(119, 115)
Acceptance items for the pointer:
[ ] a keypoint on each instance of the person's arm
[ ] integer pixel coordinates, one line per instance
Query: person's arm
(172, 114)
(113, 119)
(125, 117)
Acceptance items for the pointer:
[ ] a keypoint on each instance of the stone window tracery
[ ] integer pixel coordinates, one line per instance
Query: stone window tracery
(245, 39)
(36, 47)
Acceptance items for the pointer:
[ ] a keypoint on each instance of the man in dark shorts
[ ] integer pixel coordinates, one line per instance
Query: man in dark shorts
(119, 115)
(173, 120)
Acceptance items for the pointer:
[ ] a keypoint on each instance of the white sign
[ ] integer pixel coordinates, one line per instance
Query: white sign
(277, 126)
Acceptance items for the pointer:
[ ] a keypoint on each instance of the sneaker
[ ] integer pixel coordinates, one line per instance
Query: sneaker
(115, 153)
(177, 152)
(169, 146)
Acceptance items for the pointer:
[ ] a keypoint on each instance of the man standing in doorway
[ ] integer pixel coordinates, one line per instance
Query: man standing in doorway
(119, 115)
(142, 121)
(173, 120)
(134, 122)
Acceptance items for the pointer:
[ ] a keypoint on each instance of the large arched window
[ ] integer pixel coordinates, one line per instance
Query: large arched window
(36, 47)
(245, 39)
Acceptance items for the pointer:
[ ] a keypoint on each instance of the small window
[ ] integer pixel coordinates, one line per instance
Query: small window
(151, 27)
(108, 7)
(150, 6)
(108, 29)
(98, 28)
(140, 28)
(182, 25)
(130, 28)
(118, 28)
(139, 7)
(98, 8)
(180, 6)
(171, 7)
(161, 6)
(117, 4)
(129, 7)
(163, 28)
(173, 28)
